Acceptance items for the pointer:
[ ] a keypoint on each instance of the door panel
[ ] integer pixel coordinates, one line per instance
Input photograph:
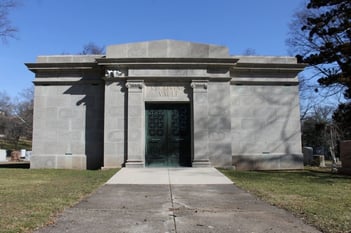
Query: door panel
(156, 136)
(168, 135)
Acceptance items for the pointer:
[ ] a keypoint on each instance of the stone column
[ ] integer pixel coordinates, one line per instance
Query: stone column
(200, 123)
(136, 129)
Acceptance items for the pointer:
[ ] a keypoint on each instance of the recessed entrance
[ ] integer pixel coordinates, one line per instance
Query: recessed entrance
(167, 135)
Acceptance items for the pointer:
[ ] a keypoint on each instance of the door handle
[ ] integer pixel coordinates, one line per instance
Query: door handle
(155, 139)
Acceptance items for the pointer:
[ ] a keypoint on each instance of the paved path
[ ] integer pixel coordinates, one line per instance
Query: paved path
(174, 204)
(169, 176)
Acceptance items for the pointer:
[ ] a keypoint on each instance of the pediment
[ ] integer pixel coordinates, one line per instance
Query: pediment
(166, 49)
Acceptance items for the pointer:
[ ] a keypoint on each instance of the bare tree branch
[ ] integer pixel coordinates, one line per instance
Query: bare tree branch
(7, 30)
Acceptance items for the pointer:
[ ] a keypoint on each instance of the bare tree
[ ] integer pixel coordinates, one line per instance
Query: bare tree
(92, 48)
(13, 131)
(6, 28)
(5, 111)
(23, 111)
(320, 36)
(16, 117)
(249, 52)
(5, 104)
(315, 127)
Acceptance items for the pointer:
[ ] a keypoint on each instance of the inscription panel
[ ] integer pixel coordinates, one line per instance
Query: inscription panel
(171, 92)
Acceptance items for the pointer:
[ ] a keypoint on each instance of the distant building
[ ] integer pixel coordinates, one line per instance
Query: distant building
(166, 103)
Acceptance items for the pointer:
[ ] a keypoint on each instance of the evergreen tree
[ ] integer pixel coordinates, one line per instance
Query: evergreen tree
(320, 35)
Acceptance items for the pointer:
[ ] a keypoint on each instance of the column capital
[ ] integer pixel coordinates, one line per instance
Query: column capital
(199, 85)
(135, 85)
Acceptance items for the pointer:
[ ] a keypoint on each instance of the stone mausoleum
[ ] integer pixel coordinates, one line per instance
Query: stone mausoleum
(166, 103)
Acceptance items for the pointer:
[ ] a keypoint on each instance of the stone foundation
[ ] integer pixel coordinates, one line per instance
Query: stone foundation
(268, 162)
(58, 161)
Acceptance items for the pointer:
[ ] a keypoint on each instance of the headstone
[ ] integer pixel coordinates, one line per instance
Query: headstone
(28, 155)
(2, 155)
(345, 156)
(307, 155)
(318, 160)
(23, 153)
(15, 156)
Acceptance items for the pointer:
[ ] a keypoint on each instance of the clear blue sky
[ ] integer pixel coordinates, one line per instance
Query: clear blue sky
(48, 27)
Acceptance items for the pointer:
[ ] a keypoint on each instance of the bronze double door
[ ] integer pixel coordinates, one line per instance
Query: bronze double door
(168, 135)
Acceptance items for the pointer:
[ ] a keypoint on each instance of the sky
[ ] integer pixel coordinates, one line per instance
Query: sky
(51, 27)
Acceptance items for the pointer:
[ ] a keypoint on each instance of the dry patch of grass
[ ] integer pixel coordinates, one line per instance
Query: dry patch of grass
(31, 198)
(321, 198)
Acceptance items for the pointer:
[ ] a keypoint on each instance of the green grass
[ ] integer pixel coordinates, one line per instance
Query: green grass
(322, 199)
(32, 198)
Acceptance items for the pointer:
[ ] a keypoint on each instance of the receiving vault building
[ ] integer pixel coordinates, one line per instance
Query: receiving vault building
(166, 103)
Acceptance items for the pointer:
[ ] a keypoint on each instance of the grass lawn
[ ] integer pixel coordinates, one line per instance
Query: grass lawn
(321, 198)
(31, 198)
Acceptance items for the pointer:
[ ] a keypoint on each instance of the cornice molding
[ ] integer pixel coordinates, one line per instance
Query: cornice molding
(35, 67)
(152, 63)
(262, 81)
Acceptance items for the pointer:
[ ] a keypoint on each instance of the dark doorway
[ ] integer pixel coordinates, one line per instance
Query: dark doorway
(167, 135)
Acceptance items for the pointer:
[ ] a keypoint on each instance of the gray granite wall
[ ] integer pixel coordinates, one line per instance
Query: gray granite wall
(219, 125)
(115, 124)
(68, 113)
(265, 127)
(68, 126)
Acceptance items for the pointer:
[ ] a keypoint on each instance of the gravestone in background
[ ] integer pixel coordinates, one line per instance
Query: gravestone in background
(3, 155)
(345, 156)
(307, 155)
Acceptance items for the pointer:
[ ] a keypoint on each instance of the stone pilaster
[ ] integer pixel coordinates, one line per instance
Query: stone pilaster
(200, 125)
(136, 130)
(114, 123)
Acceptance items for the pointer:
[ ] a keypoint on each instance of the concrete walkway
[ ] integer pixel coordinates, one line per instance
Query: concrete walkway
(174, 200)
(169, 176)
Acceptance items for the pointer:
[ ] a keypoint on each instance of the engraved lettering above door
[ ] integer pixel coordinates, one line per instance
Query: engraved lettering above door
(164, 93)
